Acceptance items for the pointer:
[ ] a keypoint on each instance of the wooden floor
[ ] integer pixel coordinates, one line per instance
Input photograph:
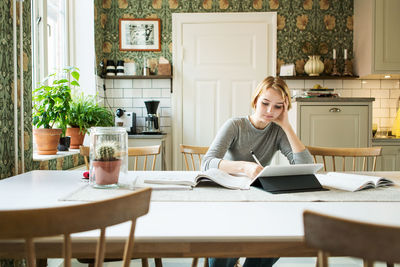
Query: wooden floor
(283, 262)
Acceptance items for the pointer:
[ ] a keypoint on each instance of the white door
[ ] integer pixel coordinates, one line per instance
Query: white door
(219, 58)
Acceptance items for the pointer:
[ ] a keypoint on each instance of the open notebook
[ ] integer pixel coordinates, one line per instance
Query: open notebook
(351, 182)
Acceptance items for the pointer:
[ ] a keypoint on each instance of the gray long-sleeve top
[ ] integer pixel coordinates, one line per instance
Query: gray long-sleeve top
(237, 137)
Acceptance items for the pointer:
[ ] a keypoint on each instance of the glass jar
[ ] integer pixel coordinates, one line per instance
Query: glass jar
(108, 156)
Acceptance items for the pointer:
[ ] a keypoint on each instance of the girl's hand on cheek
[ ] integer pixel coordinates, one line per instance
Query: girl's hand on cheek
(252, 169)
(283, 118)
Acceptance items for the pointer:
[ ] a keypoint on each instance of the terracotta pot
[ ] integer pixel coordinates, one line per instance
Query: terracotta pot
(76, 137)
(314, 66)
(106, 172)
(47, 140)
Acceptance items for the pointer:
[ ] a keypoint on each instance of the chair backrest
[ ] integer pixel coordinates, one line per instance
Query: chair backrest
(46, 222)
(84, 151)
(337, 236)
(191, 151)
(343, 153)
(145, 152)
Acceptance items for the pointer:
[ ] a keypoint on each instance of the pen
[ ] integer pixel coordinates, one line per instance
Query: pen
(255, 158)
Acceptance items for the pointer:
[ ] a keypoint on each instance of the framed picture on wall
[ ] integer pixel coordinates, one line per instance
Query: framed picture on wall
(139, 35)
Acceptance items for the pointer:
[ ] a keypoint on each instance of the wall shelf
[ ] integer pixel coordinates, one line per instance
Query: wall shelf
(138, 77)
(323, 77)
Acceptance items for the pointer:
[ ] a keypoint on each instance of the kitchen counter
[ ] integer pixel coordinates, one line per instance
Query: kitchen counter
(388, 140)
(334, 99)
(147, 136)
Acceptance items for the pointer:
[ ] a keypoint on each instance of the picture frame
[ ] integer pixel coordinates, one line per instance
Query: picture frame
(139, 35)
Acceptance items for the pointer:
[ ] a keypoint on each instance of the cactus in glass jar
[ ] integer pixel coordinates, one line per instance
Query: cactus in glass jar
(106, 151)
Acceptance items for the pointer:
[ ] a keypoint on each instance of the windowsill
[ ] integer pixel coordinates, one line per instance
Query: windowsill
(60, 154)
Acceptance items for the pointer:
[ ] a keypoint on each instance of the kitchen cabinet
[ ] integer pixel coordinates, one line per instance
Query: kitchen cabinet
(390, 158)
(150, 140)
(332, 122)
(376, 37)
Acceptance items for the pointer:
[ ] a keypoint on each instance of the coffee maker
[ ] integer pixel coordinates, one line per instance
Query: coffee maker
(151, 125)
(126, 119)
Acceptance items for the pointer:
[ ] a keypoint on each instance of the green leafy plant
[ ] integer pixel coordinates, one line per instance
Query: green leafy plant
(106, 151)
(52, 99)
(85, 112)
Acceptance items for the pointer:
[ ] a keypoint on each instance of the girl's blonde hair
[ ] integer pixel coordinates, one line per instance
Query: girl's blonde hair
(275, 83)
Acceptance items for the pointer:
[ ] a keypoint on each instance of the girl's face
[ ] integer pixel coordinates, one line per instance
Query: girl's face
(269, 106)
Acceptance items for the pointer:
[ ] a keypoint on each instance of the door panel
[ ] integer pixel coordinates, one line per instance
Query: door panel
(219, 59)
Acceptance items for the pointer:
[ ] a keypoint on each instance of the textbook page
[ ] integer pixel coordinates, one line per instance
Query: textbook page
(192, 178)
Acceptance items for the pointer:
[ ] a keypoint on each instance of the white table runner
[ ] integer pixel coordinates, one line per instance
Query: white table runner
(220, 194)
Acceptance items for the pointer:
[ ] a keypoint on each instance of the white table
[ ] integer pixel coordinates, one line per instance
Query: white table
(187, 229)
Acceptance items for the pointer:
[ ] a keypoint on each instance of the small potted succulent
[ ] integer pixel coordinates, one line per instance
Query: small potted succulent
(106, 164)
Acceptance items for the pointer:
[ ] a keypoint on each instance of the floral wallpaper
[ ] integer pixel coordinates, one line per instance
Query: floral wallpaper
(305, 27)
(7, 100)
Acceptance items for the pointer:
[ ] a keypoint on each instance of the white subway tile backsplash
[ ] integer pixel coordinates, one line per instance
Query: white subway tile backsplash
(115, 93)
(376, 104)
(138, 102)
(109, 83)
(351, 83)
(165, 92)
(362, 93)
(152, 92)
(336, 84)
(295, 84)
(393, 102)
(380, 93)
(161, 83)
(165, 121)
(310, 83)
(394, 93)
(344, 92)
(130, 92)
(165, 102)
(381, 112)
(385, 102)
(140, 121)
(371, 83)
(122, 102)
(122, 83)
(138, 112)
(141, 83)
(389, 83)
(166, 112)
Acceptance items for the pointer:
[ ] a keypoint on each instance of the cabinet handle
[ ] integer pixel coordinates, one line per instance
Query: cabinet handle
(334, 110)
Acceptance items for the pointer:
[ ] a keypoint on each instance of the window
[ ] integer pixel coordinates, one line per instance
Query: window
(50, 37)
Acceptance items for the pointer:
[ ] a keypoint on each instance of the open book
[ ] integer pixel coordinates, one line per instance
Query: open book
(192, 178)
(351, 182)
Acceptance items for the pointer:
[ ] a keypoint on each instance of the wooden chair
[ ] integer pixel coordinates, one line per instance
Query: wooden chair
(145, 152)
(135, 152)
(45, 222)
(192, 152)
(337, 236)
(84, 151)
(361, 152)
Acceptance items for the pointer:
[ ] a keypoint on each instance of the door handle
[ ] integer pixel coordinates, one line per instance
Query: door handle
(335, 110)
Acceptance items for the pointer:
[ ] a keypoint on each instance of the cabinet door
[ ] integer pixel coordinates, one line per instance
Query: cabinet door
(334, 126)
(387, 36)
(160, 160)
(390, 159)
